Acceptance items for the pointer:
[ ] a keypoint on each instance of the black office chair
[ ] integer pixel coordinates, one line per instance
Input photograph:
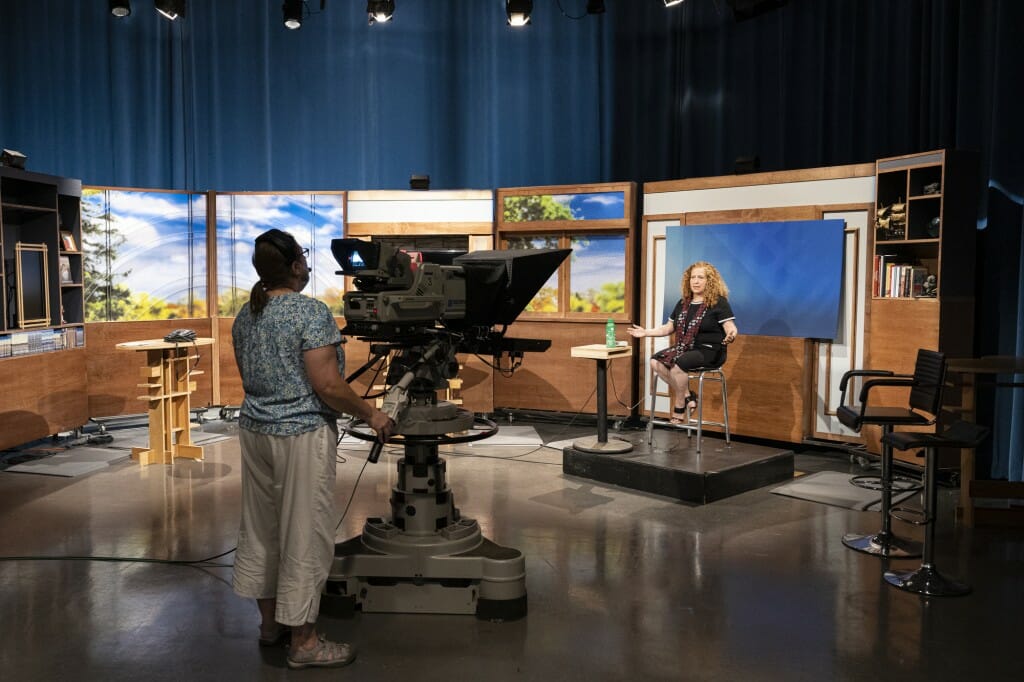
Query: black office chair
(925, 402)
(927, 580)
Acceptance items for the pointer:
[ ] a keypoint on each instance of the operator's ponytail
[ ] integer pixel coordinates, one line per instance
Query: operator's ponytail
(258, 298)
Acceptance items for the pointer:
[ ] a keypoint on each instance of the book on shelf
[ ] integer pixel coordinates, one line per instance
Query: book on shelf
(918, 275)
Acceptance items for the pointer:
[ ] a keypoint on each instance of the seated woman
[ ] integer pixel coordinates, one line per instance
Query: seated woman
(703, 324)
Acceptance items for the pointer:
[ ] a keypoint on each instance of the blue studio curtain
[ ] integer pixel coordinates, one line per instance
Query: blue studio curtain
(227, 98)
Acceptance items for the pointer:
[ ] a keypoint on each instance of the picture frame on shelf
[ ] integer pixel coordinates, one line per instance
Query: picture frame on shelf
(67, 241)
(64, 269)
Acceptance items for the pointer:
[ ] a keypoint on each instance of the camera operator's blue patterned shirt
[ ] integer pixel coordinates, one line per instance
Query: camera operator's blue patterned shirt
(279, 400)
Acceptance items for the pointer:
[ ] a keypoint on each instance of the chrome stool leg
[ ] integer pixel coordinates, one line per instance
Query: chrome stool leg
(654, 399)
(884, 543)
(927, 580)
(725, 406)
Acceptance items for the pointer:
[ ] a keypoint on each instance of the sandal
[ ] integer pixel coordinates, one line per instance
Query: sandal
(277, 637)
(685, 410)
(325, 654)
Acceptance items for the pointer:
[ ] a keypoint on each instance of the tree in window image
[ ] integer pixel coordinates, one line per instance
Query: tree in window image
(105, 298)
(546, 301)
(610, 298)
(534, 208)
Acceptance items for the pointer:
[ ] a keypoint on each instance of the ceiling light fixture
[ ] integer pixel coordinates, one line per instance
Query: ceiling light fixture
(669, 3)
(293, 10)
(171, 9)
(120, 8)
(380, 11)
(518, 12)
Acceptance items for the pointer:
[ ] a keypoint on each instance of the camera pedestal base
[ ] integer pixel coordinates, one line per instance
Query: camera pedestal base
(426, 558)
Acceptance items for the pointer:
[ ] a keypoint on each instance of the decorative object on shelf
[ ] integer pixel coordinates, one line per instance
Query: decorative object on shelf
(898, 220)
(891, 222)
(931, 188)
(67, 241)
(933, 227)
(918, 276)
(32, 281)
(930, 288)
(64, 269)
(12, 159)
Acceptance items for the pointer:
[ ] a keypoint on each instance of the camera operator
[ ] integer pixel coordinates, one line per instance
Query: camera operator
(288, 351)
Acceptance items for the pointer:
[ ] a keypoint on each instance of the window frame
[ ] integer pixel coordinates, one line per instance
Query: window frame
(565, 230)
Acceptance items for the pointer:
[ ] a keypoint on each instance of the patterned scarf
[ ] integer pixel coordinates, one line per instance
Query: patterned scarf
(685, 334)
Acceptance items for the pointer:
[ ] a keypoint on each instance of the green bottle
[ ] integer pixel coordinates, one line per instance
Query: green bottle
(609, 333)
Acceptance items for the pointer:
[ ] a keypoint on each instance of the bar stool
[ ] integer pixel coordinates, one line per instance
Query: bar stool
(927, 580)
(925, 397)
(701, 374)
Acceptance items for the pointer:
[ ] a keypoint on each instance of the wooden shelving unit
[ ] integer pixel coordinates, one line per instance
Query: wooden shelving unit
(40, 314)
(939, 192)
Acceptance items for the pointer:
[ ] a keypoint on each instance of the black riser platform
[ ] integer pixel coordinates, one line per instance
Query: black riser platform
(677, 472)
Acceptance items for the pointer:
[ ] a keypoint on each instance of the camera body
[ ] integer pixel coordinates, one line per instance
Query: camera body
(408, 297)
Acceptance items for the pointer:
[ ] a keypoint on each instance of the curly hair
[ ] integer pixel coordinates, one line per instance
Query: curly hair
(713, 290)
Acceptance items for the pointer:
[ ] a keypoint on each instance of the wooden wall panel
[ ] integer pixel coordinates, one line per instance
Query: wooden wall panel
(894, 347)
(230, 380)
(42, 395)
(113, 374)
(769, 387)
(555, 381)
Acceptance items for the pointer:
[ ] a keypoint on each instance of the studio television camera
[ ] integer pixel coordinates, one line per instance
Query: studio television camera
(419, 310)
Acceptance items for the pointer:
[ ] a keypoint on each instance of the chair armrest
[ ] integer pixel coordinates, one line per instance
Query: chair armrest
(862, 373)
(858, 373)
(891, 380)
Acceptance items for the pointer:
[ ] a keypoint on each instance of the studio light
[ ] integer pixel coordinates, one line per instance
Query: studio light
(380, 11)
(595, 6)
(120, 8)
(171, 9)
(292, 10)
(669, 3)
(518, 12)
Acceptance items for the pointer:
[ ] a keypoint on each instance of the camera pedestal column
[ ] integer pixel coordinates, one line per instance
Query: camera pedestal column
(427, 557)
(167, 384)
(602, 354)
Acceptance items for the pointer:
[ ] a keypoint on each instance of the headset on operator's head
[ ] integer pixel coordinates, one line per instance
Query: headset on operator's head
(282, 241)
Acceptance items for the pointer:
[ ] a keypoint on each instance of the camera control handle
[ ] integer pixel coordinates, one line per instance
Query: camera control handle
(375, 451)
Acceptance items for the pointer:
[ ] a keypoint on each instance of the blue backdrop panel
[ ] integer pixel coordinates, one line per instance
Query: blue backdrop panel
(784, 278)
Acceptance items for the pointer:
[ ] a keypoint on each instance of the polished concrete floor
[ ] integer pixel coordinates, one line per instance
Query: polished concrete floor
(622, 585)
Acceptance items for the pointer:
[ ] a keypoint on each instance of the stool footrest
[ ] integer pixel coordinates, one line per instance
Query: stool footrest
(911, 515)
(899, 484)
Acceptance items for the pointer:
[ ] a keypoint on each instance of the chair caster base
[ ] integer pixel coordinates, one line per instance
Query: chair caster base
(927, 581)
(883, 544)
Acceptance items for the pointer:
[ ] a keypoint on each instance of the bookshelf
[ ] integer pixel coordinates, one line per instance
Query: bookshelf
(42, 306)
(43, 302)
(925, 225)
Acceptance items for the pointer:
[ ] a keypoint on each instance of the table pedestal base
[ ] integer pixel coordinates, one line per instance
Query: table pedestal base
(595, 444)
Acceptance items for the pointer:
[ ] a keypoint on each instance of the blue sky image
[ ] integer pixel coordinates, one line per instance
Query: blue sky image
(594, 206)
(599, 261)
(313, 219)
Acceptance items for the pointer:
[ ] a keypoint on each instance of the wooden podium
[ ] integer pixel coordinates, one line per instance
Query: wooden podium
(167, 384)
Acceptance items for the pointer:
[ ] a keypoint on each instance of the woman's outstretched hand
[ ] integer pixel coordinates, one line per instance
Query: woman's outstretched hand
(637, 332)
